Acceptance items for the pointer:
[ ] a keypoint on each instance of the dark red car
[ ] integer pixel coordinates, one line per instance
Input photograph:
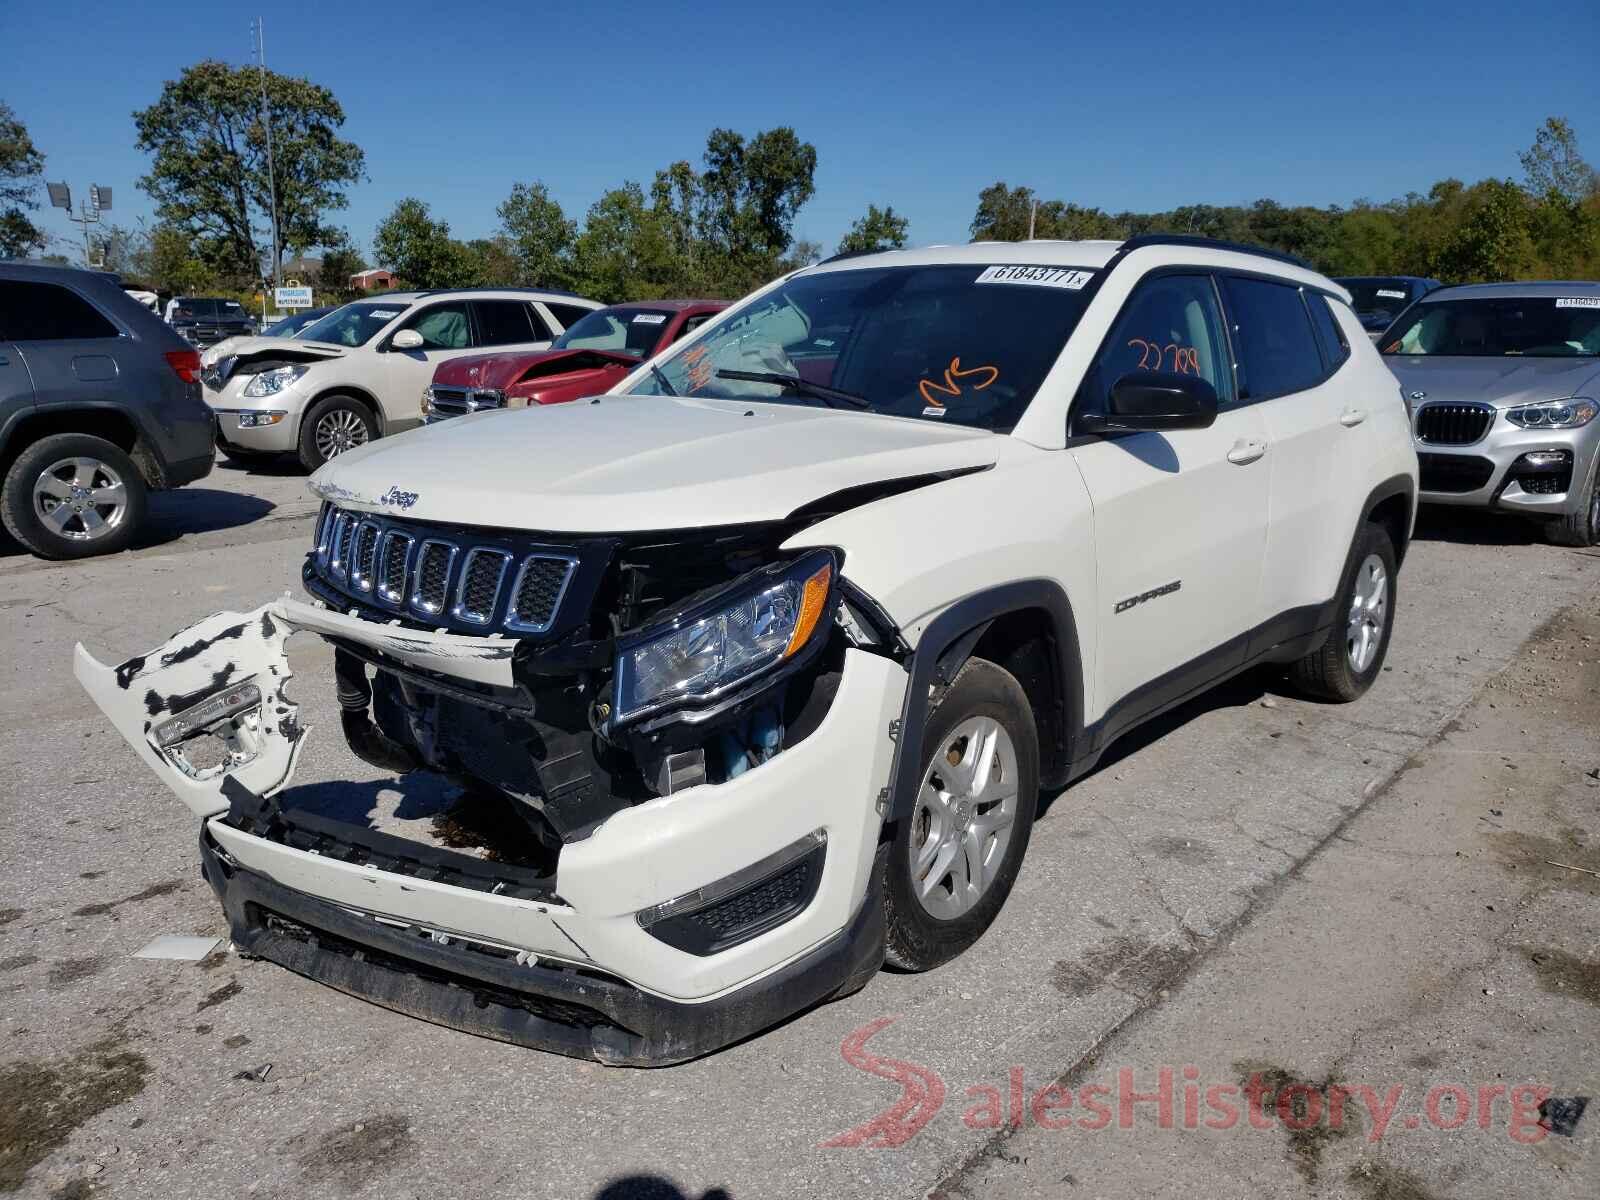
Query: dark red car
(589, 358)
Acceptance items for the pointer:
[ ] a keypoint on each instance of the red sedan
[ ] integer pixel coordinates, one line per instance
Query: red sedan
(590, 357)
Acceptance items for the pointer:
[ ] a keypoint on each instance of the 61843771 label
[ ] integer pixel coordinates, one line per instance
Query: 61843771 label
(1057, 277)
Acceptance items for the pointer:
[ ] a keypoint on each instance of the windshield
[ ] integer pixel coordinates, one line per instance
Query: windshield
(631, 331)
(352, 325)
(1524, 326)
(966, 345)
(1377, 295)
(291, 325)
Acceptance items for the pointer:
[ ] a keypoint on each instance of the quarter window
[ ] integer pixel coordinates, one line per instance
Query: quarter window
(568, 314)
(1172, 323)
(1335, 349)
(48, 312)
(1272, 336)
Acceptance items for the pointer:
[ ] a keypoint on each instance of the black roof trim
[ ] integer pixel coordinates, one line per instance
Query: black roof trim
(534, 291)
(1182, 239)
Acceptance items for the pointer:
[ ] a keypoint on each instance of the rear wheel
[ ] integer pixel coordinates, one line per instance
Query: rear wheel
(1581, 526)
(72, 495)
(1353, 655)
(331, 426)
(952, 863)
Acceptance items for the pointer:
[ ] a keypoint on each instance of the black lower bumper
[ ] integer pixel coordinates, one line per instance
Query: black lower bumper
(477, 991)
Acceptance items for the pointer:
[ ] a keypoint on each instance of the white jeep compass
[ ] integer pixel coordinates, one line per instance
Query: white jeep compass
(771, 650)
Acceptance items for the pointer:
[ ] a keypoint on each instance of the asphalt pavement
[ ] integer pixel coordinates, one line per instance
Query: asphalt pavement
(134, 1077)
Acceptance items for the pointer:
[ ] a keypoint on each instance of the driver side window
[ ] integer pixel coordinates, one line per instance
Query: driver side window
(443, 327)
(1173, 324)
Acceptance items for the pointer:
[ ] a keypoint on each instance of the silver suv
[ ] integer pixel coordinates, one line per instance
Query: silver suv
(1503, 380)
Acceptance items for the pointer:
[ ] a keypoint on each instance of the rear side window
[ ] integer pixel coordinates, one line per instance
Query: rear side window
(1335, 349)
(48, 312)
(504, 323)
(568, 314)
(1272, 336)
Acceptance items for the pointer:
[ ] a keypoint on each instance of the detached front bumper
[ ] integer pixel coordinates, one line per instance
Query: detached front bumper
(591, 977)
(1496, 472)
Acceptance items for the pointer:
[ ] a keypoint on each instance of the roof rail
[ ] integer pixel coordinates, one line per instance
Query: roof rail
(1184, 239)
(847, 254)
(491, 287)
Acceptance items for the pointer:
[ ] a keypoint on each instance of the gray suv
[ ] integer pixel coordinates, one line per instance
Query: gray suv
(99, 403)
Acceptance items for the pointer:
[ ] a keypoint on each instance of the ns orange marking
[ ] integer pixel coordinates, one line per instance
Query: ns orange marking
(950, 387)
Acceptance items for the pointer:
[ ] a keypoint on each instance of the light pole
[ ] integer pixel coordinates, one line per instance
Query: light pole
(260, 32)
(88, 211)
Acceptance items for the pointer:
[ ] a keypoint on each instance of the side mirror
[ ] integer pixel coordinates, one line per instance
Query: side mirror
(1154, 402)
(406, 339)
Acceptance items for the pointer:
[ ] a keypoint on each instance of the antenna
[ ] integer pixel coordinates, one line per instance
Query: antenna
(259, 35)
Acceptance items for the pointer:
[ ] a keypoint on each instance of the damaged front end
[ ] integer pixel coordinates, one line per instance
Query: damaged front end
(690, 728)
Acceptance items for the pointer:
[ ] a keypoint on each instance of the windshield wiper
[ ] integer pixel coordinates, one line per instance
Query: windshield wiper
(662, 381)
(799, 384)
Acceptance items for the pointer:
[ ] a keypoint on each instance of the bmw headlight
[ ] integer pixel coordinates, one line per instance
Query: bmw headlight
(1553, 414)
(270, 383)
(768, 619)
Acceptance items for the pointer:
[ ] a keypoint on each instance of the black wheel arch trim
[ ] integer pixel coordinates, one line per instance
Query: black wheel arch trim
(946, 645)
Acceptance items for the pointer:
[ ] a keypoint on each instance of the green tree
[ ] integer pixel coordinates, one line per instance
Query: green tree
(340, 260)
(623, 252)
(1554, 167)
(750, 192)
(421, 251)
(21, 169)
(539, 235)
(880, 229)
(497, 262)
(209, 176)
(1491, 236)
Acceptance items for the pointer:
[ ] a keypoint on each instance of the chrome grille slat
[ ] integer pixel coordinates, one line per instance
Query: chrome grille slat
(430, 586)
(338, 552)
(446, 402)
(394, 566)
(482, 573)
(536, 594)
(363, 555)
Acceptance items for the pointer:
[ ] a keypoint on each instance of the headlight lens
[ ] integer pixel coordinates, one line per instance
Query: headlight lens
(1553, 414)
(270, 383)
(731, 638)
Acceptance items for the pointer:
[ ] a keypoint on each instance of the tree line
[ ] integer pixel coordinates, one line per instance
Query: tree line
(228, 214)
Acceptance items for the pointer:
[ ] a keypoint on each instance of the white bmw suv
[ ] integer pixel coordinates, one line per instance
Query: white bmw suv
(359, 372)
(765, 655)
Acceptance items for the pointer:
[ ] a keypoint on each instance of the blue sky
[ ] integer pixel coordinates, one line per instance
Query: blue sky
(918, 105)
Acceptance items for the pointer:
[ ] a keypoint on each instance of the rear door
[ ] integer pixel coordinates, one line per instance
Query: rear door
(16, 388)
(1285, 371)
(1181, 517)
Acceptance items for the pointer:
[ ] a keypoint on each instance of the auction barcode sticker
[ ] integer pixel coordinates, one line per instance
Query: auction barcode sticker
(1391, 294)
(1056, 277)
(649, 318)
(1578, 302)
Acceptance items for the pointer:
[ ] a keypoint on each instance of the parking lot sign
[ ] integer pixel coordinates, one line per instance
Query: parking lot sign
(292, 297)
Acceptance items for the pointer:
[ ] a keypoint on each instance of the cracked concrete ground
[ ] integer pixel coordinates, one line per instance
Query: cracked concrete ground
(143, 1078)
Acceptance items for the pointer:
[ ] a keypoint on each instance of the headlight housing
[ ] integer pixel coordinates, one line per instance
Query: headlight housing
(254, 420)
(270, 383)
(1553, 414)
(767, 619)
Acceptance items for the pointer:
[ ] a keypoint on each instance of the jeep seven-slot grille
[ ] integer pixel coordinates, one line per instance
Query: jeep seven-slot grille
(1453, 424)
(441, 578)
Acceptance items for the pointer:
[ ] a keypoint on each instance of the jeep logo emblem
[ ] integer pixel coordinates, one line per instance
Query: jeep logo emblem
(398, 498)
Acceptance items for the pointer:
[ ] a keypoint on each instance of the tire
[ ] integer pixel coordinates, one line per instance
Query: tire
(1347, 663)
(330, 416)
(71, 495)
(984, 706)
(1580, 528)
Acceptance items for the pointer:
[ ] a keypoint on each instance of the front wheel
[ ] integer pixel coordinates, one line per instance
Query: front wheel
(331, 426)
(952, 862)
(1353, 655)
(1581, 526)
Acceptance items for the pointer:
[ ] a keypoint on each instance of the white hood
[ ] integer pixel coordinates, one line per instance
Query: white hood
(630, 463)
(238, 347)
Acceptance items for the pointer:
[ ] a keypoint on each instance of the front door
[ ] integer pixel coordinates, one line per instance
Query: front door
(446, 330)
(1180, 518)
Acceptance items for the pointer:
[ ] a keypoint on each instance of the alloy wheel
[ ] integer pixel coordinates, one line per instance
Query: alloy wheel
(338, 431)
(81, 499)
(1369, 611)
(963, 819)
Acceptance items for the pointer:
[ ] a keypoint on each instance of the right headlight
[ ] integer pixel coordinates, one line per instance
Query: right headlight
(270, 383)
(705, 651)
(1553, 414)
